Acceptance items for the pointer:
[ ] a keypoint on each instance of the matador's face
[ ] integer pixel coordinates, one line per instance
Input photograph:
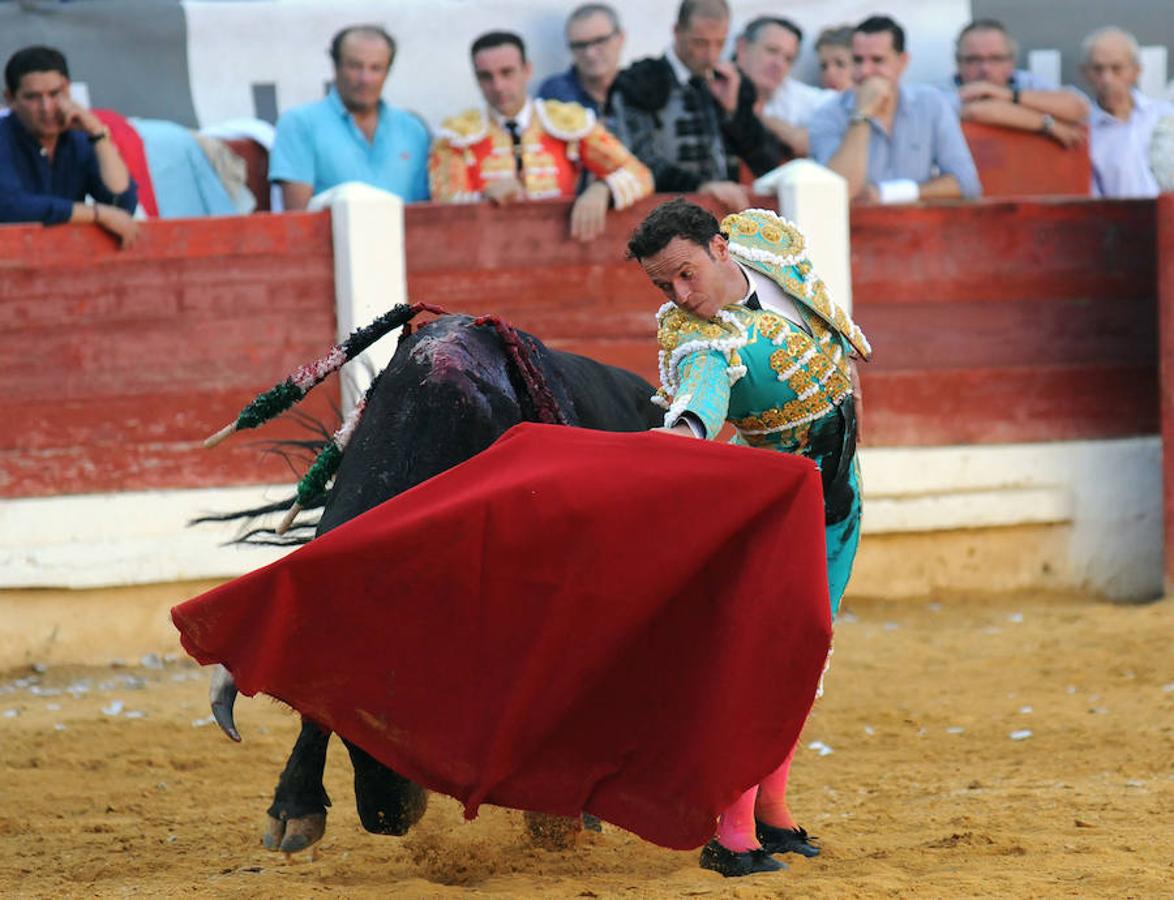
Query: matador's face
(694, 277)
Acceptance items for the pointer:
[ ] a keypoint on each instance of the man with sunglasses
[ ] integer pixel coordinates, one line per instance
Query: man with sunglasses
(596, 41)
(989, 89)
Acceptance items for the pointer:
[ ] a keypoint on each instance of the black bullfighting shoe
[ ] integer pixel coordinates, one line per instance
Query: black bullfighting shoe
(785, 840)
(726, 862)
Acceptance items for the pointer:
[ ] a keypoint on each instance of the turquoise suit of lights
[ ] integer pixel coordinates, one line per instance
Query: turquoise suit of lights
(783, 387)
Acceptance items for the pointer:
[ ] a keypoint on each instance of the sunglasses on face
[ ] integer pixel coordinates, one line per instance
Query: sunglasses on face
(978, 60)
(581, 46)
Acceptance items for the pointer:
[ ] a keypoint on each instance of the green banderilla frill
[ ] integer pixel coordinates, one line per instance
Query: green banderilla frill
(278, 399)
(313, 483)
(272, 403)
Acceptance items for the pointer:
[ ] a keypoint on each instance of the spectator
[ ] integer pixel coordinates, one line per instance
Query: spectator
(765, 54)
(529, 149)
(596, 41)
(351, 134)
(989, 89)
(53, 152)
(894, 142)
(834, 47)
(1122, 122)
(1162, 153)
(689, 115)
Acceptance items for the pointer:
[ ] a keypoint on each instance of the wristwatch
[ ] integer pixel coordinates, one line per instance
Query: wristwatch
(1045, 125)
(856, 118)
(99, 135)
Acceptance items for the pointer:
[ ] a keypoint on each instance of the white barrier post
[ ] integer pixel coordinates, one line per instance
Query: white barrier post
(816, 199)
(370, 272)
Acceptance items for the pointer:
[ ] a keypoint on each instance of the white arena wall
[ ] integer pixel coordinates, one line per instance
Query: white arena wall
(1100, 500)
(432, 74)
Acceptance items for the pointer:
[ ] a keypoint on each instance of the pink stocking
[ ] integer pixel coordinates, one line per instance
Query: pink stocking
(771, 807)
(735, 826)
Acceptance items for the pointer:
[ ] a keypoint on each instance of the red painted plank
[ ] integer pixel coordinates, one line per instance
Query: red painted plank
(1018, 163)
(1003, 251)
(480, 237)
(983, 406)
(164, 239)
(1165, 290)
(139, 443)
(980, 334)
(115, 365)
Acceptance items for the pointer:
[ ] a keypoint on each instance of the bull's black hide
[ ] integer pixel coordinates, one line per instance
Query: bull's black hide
(448, 393)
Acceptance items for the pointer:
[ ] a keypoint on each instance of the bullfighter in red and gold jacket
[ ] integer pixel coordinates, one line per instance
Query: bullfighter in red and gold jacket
(524, 149)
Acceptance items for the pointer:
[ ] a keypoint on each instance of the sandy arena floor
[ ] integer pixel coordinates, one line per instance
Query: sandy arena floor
(112, 782)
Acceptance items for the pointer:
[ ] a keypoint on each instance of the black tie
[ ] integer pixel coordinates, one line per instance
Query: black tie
(512, 128)
(752, 301)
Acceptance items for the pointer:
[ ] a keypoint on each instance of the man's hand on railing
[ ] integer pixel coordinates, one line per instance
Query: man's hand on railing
(118, 222)
(589, 213)
(503, 191)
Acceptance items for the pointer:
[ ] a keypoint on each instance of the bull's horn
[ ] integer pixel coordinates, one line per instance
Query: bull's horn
(222, 694)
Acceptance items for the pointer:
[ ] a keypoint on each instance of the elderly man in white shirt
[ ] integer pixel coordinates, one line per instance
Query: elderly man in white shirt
(765, 53)
(1122, 122)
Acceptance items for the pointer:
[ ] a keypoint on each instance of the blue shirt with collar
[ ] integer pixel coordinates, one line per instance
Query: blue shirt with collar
(319, 144)
(926, 139)
(37, 188)
(566, 87)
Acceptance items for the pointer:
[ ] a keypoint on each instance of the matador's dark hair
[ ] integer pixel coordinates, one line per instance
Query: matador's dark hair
(677, 218)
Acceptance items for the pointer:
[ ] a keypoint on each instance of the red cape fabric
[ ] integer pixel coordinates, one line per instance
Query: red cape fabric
(629, 624)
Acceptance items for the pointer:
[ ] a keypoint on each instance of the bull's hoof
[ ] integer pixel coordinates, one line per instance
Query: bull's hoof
(294, 835)
(274, 832)
(553, 832)
(302, 833)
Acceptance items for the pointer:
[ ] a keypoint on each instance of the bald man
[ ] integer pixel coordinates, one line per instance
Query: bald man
(1122, 122)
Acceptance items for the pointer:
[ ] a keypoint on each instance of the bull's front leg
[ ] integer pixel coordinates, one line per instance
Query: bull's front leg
(387, 802)
(297, 818)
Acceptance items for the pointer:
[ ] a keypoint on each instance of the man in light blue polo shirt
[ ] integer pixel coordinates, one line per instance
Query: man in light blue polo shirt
(352, 134)
(894, 142)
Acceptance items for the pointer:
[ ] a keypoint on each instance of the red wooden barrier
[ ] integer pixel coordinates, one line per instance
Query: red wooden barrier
(1165, 239)
(1015, 163)
(519, 263)
(115, 365)
(1007, 322)
(992, 322)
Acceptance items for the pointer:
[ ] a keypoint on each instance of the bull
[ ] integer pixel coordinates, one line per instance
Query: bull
(451, 389)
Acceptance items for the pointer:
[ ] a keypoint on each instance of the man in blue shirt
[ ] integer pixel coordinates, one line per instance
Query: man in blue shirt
(596, 41)
(53, 152)
(352, 135)
(894, 143)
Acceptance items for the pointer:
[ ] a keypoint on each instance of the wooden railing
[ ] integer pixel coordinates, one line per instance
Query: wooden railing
(1015, 163)
(991, 322)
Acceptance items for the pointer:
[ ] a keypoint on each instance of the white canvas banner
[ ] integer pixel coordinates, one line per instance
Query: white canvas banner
(234, 46)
